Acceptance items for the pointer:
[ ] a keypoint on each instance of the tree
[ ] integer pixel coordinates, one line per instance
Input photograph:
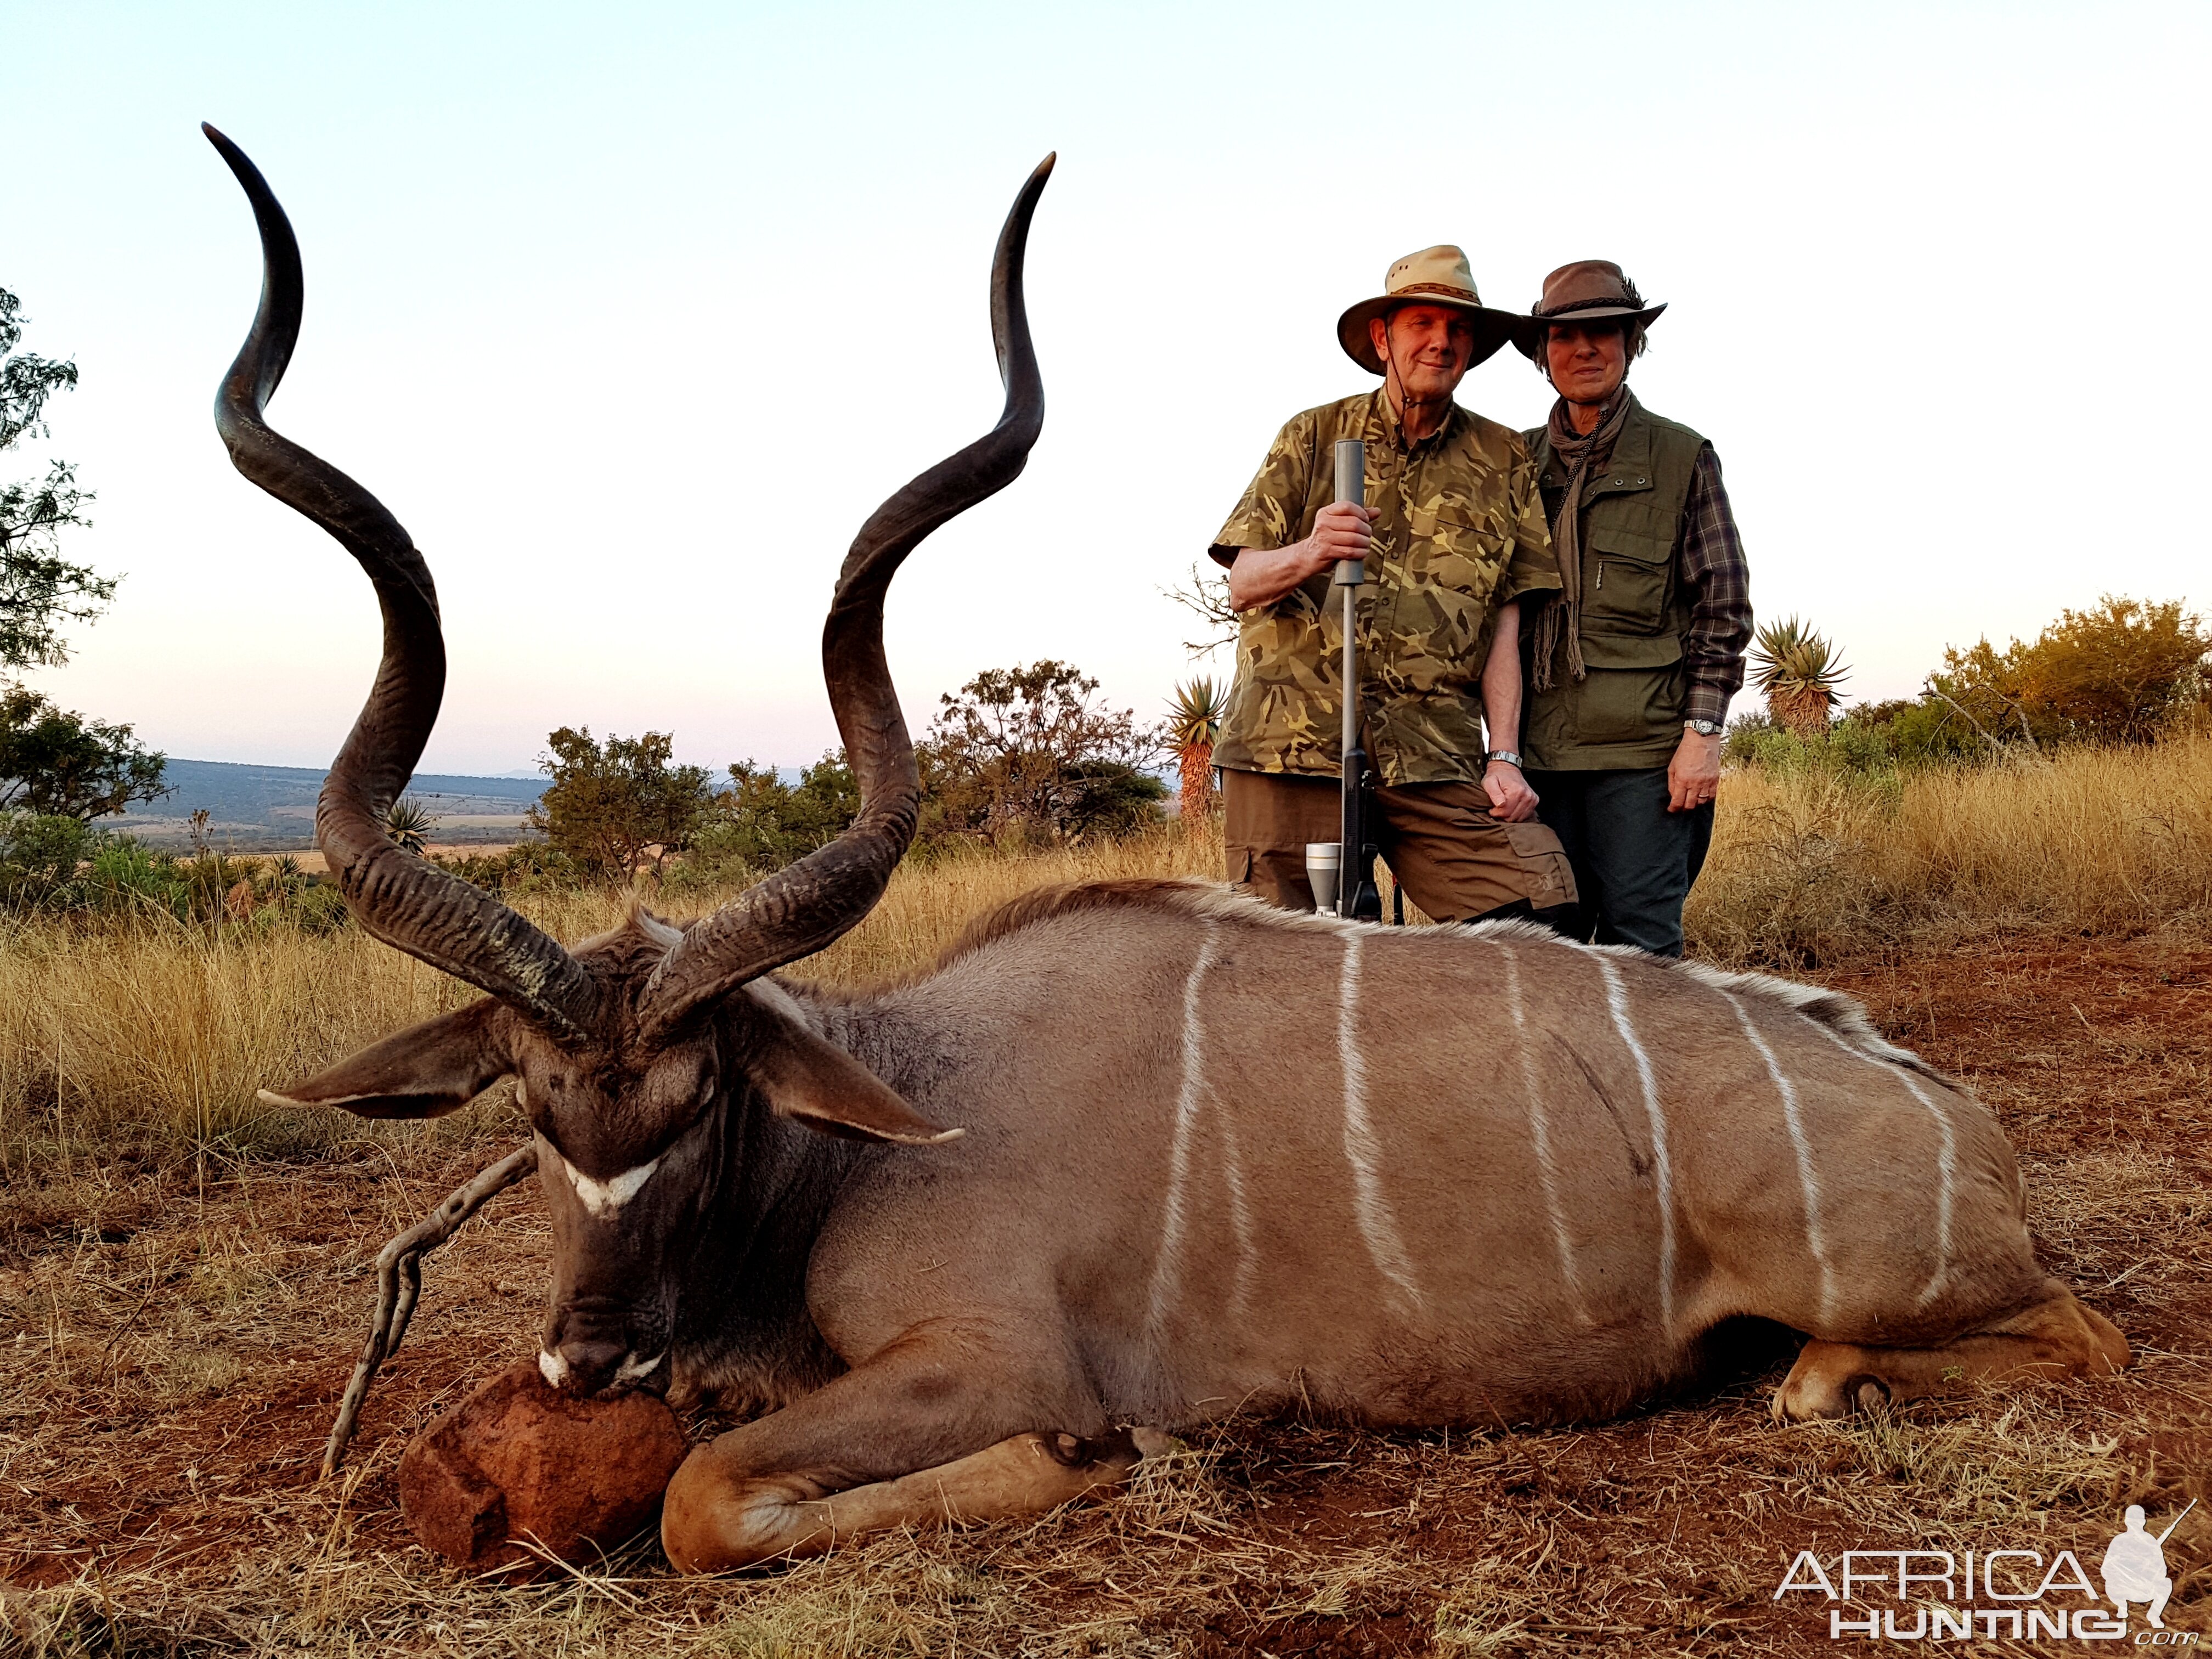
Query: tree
(1982, 686)
(762, 823)
(615, 807)
(1027, 754)
(1193, 721)
(1799, 674)
(1207, 599)
(40, 590)
(2115, 674)
(56, 763)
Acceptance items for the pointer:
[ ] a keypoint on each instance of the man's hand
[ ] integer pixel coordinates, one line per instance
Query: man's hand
(1262, 575)
(1693, 776)
(1512, 800)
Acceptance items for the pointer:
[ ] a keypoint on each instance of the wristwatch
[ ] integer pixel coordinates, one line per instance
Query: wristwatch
(1703, 728)
(1505, 754)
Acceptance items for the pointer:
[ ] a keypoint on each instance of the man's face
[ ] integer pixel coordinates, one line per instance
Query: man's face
(1431, 347)
(1587, 364)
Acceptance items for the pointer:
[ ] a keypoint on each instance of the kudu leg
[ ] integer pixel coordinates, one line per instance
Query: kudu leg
(2055, 1335)
(869, 1451)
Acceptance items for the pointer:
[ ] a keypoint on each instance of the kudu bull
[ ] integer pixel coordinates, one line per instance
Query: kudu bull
(1210, 1157)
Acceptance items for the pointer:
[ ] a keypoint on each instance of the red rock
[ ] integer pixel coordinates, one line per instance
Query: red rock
(519, 1459)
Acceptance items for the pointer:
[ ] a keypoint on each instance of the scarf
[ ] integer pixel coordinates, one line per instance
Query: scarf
(1560, 621)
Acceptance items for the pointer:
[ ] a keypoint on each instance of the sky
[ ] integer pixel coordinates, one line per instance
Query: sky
(633, 314)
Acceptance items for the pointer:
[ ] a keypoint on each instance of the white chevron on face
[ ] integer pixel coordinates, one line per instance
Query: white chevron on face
(605, 1198)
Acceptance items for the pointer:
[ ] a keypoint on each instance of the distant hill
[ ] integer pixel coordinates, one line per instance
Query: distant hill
(271, 809)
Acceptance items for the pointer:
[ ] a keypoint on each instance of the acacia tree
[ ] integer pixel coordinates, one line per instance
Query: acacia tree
(2114, 673)
(58, 764)
(40, 590)
(616, 807)
(54, 763)
(1028, 755)
(762, 823)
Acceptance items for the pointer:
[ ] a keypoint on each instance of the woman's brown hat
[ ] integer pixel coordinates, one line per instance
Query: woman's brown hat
(1437, 276)
(1587, 291)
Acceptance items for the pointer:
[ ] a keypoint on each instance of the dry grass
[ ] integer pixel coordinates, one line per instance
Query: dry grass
(158, 1027)
(174, 1330)
(1813, 868)
(111, 1033)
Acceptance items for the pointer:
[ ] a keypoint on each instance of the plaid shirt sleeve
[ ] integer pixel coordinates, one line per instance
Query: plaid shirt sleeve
(1720, 614)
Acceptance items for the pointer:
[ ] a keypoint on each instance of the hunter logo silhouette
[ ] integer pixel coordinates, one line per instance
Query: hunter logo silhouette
(2135, 1566)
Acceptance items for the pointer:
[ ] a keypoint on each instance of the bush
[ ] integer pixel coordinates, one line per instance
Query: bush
(2116, 673)
(39, 853)
(1027, 757)
(529, 867)
(58, 764)
(58, 864)
(2125, 672)
(1860, 746)
(762, 823)
(615, 807)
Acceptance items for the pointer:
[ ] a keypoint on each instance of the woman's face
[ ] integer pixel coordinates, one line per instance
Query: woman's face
(1588, 363)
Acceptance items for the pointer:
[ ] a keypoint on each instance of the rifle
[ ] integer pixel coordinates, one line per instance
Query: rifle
(1358, 897)
(2176, 1521)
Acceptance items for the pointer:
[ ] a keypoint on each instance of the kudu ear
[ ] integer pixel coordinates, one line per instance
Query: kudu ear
(425, 1071)
(818, 1083)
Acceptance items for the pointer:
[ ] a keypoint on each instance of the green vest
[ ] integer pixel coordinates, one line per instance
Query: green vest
(1635, 614)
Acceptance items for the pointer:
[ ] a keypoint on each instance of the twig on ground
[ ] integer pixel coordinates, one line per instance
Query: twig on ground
(399, 1283)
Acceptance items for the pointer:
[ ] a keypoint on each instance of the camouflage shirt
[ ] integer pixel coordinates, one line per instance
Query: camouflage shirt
(1459, 530)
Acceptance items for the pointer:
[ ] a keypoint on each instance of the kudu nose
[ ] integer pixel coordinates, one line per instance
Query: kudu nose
(588, 1367)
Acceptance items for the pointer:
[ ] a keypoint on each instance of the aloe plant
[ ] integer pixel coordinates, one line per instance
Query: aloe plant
(408, 822)
(1799, 674)
(1193, 721)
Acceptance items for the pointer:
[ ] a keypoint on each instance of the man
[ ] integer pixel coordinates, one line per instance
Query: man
(1632, 664)
(1452, 530)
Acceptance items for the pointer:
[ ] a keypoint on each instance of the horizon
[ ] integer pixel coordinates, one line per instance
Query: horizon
(633, 325)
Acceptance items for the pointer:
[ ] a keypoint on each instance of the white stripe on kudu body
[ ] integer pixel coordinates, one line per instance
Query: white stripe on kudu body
(1540, 1130)
(1616, 997)
(1807, 1182)
(1947, 1157)
(1361, 1150)
(1167, 1268)
(1240, 1214)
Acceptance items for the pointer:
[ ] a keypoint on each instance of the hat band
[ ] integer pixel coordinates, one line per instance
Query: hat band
(1618, 303)
(1467, 295)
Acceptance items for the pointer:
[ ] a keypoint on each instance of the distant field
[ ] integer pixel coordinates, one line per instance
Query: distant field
(271, 809)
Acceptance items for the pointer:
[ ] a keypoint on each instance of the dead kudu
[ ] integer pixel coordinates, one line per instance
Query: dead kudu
(1212, 1157)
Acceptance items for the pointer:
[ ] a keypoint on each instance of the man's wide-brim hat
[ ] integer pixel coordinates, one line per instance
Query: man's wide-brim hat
(1587, 291)
(1434, 276)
